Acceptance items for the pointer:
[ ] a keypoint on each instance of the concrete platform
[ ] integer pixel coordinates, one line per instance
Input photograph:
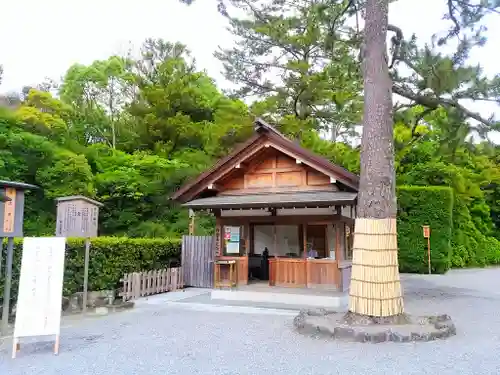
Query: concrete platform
(263, 293)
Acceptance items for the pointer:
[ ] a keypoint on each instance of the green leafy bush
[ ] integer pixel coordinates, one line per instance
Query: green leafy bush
(471, 246)
(110, 258)
(420, 206)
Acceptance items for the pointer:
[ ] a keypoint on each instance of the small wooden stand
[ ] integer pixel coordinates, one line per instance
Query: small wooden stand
(233, 277)
(16, 346)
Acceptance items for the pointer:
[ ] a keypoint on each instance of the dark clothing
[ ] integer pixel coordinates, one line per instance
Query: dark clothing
(264, 265)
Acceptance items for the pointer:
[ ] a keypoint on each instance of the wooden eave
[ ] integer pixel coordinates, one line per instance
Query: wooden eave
(266, 136)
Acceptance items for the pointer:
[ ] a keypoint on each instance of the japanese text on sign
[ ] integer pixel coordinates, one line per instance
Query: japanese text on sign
(9, 210)
(427, 231)
(40, 287)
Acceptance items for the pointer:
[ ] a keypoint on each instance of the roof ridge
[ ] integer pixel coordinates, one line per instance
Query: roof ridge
(261, 124)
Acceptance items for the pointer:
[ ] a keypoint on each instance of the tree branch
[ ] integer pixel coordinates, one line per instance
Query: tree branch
(435, 103)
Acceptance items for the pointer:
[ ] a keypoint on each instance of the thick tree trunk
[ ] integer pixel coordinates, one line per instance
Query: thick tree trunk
(375, 286)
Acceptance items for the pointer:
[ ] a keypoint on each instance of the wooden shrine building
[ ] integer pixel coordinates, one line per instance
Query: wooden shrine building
(274, 199)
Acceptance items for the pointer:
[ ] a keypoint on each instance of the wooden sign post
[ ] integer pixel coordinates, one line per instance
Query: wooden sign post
(427, 234)
(77, 216)
(40, 290)
(11, 226)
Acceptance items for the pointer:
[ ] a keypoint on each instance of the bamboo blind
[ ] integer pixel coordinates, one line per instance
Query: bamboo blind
(375, 286)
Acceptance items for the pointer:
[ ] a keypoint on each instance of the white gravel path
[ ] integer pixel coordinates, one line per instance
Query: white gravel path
(174, 339)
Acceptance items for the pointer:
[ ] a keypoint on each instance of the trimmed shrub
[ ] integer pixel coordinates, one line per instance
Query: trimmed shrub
(418, 206)
(110, 258)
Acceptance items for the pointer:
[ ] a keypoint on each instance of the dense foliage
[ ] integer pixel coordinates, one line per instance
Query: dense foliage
(420, 206)
(129, 131)
(111, 258)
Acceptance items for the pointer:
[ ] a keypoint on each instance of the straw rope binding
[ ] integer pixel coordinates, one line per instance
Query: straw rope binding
(375, 286)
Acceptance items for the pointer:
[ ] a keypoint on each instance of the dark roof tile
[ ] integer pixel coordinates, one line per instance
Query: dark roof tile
(298, 200)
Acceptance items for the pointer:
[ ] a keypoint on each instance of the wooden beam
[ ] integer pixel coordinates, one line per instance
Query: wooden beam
(214, 187)
(279, 220)
(216, 212)
(242, 166)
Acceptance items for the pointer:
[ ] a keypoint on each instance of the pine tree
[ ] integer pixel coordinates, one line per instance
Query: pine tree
(300, 58)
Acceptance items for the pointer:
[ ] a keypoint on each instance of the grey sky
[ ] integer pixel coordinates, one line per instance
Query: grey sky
(41, 39)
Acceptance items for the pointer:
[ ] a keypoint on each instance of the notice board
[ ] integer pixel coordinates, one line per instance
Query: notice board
(40, 287)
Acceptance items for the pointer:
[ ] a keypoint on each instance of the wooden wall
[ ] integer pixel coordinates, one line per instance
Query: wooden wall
(198, 261)
(272, 171)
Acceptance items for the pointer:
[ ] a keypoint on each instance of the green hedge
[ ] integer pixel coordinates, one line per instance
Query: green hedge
(418, 206)
(110, 258)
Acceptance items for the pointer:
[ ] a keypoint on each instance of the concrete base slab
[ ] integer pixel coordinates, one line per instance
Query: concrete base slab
(233, 309)
(338, 301)
(163, 298)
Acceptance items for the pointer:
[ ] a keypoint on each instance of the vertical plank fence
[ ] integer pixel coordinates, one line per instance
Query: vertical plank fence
(198, 261)
(140, 284)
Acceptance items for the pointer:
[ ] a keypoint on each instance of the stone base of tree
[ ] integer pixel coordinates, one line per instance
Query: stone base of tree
(358, 328)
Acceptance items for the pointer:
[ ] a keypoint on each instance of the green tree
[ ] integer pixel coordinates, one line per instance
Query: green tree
(177, 109)
(298, 58)
(98, 92)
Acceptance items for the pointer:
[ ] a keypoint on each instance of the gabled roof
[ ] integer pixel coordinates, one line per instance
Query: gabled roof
(79, 198)
(272, 137)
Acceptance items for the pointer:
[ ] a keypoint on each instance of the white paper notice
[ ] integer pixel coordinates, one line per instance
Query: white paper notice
(232, 247)
(39, 300)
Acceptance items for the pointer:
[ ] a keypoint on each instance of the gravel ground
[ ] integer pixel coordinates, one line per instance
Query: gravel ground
(172, 339)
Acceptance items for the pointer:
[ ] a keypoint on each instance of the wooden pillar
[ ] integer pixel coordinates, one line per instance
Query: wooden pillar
(304, 234)
(191, 222)
(246, 234)
(304, 239)
(275, 242)
(218, 237)
(338, 253)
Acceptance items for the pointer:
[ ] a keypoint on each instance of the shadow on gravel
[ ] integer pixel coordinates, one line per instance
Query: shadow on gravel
(46, 345)
(425, 289)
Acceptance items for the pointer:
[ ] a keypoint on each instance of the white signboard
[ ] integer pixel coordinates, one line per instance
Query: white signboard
(40, 287)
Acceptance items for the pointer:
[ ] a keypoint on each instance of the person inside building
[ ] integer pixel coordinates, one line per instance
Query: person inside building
(264, 267)
(311, 253)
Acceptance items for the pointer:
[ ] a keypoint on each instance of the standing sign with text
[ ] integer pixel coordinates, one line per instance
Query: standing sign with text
(40, 287)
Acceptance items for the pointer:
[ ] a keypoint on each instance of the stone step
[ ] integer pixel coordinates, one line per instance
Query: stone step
(336, 301)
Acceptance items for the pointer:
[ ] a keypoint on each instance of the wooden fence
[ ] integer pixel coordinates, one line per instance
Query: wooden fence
(140, 284)
(198, 260)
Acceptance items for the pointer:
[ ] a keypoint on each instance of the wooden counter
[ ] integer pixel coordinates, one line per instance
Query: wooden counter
(322, 273)
(304, 273)
(287, 272)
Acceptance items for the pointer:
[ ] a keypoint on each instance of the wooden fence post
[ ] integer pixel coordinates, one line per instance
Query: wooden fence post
(141, 284)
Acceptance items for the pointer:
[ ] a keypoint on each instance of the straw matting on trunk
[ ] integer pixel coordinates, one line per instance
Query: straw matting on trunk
(375, 287)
